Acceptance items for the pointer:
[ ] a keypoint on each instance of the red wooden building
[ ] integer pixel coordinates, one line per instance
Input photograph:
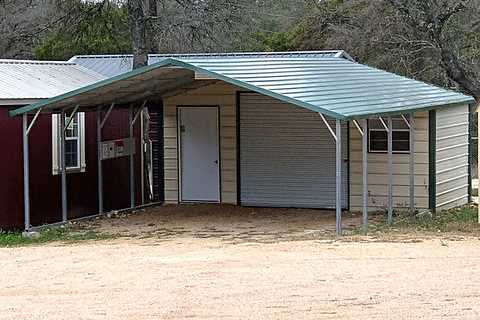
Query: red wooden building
(25, 82)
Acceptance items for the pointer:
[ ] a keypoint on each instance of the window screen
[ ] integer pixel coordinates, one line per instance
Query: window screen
(378, 136)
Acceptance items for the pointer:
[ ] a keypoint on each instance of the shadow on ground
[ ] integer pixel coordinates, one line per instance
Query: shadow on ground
(231, 224)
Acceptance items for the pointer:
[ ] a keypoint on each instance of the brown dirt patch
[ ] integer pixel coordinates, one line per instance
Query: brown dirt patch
(230, 224)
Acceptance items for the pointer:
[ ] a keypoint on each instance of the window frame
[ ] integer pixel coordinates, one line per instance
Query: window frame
(369, 129)
(80, 138)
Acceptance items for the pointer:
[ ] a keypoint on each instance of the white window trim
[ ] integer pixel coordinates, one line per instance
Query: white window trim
(383, 130)
(56, 145)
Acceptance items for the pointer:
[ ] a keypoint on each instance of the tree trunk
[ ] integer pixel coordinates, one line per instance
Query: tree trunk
(139, 33)
(456, 72)
(152, 43)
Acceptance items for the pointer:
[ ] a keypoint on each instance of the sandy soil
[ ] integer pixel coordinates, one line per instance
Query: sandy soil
(235, 272)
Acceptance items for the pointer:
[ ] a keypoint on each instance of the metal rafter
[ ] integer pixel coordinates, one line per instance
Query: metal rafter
(70, 119)
(362, 132)
(105, 118)
(328, 126)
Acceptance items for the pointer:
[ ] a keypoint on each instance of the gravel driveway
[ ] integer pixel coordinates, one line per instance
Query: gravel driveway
(184, 275)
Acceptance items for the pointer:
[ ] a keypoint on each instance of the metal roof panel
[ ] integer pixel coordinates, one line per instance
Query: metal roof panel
(24, 79)
(114, 65)
(336, 87)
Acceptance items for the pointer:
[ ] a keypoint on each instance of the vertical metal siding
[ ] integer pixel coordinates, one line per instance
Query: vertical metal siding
(287, 155)
(452, 156)
(156, 136)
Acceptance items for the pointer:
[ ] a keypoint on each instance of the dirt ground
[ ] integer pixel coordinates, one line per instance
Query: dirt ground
(206, 262)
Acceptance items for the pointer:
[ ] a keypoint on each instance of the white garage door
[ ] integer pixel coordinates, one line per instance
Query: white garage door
(287, 156)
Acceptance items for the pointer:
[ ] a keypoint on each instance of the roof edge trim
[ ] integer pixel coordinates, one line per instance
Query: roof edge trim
(18, 102)
(421, 109)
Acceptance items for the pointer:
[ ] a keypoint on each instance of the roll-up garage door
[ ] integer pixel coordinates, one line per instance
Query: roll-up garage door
(287, 156)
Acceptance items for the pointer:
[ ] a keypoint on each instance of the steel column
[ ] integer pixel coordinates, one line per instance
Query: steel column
(390, 171)
(132, 160)
(26, 175)
(99, 160)
(365, 174)
(412, 163)
(338, 191)
(63, 167)
(142, 157)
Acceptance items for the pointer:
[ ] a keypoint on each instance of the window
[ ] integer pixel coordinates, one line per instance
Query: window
(74, 143)
(378, 136)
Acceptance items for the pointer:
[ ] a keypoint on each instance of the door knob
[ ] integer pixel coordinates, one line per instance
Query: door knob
(216, 161)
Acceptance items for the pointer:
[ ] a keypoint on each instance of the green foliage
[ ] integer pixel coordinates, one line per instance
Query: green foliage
(278, 41)
(98, 29)
(61, 234)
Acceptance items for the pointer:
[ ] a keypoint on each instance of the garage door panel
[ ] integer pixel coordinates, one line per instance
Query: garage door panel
(287, 155)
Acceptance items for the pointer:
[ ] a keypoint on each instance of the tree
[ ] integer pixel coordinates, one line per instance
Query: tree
(99, 28)
(442, 23)
(431, 40)
(21, 21)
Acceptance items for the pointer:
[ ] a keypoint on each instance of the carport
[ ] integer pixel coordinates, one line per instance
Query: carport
(334, 88)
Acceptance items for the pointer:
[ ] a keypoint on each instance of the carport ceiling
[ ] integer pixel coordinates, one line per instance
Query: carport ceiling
(333, 86)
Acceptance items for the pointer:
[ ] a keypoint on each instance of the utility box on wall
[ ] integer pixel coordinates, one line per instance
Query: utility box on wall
(118, 148)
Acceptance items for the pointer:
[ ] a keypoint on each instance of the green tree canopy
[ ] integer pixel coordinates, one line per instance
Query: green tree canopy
(92, 28)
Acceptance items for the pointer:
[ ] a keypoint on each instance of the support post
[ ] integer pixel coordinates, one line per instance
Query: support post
(142, 157)
(63, 167)
(132, 160)
(390, 171)
(99, 160)
(26, 175)
(338, 189)
(412, 163)
(365, 174)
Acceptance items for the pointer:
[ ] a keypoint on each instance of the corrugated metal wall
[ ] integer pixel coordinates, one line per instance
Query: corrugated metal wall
(156, 136)
(287, 155)
(45, 196)
(452, 157)
(219, 94)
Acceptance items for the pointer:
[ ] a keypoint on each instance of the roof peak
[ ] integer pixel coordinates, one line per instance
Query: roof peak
(332, 53)
(14, 61)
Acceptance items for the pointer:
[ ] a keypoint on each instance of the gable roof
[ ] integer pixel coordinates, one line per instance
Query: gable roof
(114, 65)
(334, 86)
(25, 80)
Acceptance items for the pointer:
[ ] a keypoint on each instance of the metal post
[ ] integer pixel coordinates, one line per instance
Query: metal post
(365, 174)
(338, 191)
(132, 161)
(390, 171)
(63, 167)
(142, 159)
(412, 163)
(26, 175)
(99, 160)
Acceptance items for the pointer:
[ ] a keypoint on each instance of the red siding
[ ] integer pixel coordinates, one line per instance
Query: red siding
(116, 172)
(45, 187)
(11, 172)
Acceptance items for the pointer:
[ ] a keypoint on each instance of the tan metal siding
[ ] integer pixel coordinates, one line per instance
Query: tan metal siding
(378, 174)
(224, 96)
(452, 157)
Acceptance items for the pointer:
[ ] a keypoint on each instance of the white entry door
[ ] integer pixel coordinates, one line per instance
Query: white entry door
(199, 154)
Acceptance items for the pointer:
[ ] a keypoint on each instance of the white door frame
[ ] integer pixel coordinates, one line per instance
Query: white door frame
(179, 155)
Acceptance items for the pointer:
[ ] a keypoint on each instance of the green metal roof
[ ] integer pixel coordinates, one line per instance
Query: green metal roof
(333, 86)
